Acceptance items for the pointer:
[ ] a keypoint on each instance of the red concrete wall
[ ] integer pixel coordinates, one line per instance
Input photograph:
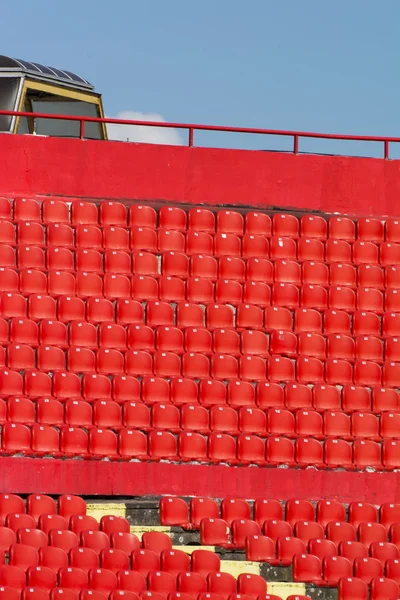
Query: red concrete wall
(36, 165)
(27, 475)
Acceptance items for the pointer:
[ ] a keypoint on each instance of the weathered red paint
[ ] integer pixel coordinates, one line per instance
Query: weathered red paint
(90, 478)
(98, 169)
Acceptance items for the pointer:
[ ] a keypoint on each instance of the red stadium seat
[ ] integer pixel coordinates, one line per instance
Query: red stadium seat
(352, 587)
(307, 568)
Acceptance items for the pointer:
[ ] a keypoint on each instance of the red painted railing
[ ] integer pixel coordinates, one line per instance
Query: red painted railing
(191, 128)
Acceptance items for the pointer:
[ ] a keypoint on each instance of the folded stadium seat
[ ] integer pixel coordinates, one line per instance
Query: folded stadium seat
(393, 569)
(84, 213)
(389, 254)
(132, 444)
(308, 530)
(175, 264)
(322, 548)
(103, 444)
(352, 587)
(66, 385)
(83, 334)
(171, 217)
(362, 511)
(297, 396)
(287, 271)
(341, 228)
(78, 414)
(45, 440)
(79, 523)
(365, 253)
(125, 388)
(107, 414)
(372, 532)
(355, 398)
(287, 548)
(167, 364)
(73, 309)
(222, 448)
(285, 295)
(20, 410)
(338, 372)
(252, 420)
(221, 584)
(202, 508)
(189, 315)
(225, 341)
(251, 450)
(7, 538)
(74, 442)
(11, 503)
(338, 321)
(232, 268)
(141, 337)
(41, 577)
(315, 273)
(8, 258)
(384, 551)
(281, 422)
(54, 211)
(312, 226)
(309, 423)
(254, 343)
(337, 251)
(39, 504)
(12, 578)
(171, 241)
(280, 369)
(277, 318)
(310, 249)
(370, 229)
(344, 274)
(369, 299)
(307, 320)
(265, 509)
(309, 370)
(395, 534)
(165, 416)
(156, 541)
(58, 235)
(170, 339)
(391, 375)
(218, 316)
(283, 248)
(81, 360)
(260, 548)
(384, 399)
(392, 277)
(391, 324)
(249, 317)
(162, 445)
(279, 451)
(195, 365)
(369, 348)
(241, 394)
(8, 233)
(32, 537)
(307, 568)
(17, 521)
(136, 415)
(88, 285)
(255, 247)
(155, 389)
(367, 373)
(32, 281)
(314, 296)
(204, 267)
(144, 263)
(201, 219)
(230, 222)
(171, 289)
(198, 339)
(367, 568)
(367, 453)
(116, 286)
(226, 292)
(283, 343)
(366, 323)
(389, 423)
(5, 208)
(30, 234)
(194, 418)
(338, 531)
(192, 447)
(371, 276)
(257, 292)
(143, 238)
(23, 331)
(352, 550)
(383, 587)
(224, 419)
(30, 257)
(251, 584)
(342, 298)
(20, 356)
(285, 224)
(23, 556)
(127, 542)
(225, 244)
(312, 344)
(201, 243)
(224, 366)
(144, 288)
(161, 583)
(260, 269)
(335, 568)
(83, 558)
(53, 333)
(365, 425)
(191, 584)
(269, 395)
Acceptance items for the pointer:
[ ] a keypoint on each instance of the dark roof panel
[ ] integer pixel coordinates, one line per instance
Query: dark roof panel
(24, 66)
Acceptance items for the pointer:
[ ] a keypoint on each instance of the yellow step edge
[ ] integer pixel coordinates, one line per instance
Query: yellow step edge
(100, 509)
(139, 529)
(237, 567)
(190, 549)
(286, 589)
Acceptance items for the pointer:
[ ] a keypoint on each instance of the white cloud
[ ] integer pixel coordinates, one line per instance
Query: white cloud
(147, 135)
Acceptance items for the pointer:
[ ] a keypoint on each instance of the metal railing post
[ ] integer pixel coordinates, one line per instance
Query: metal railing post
(191, 136)
(296, 144)
(82, 129)
(386, 148)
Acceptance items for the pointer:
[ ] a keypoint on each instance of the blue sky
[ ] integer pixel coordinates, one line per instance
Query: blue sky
(282, 64)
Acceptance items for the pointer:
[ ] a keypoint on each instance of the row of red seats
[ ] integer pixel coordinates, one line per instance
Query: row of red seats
(190, 446)
(381, 589)
(55, 210)
(8, 593)
(245, 533)
(219, 418)
(175, 512)
(158, 582)
(38, 504)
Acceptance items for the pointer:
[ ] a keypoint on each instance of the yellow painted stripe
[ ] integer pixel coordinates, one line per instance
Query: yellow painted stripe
(139, 529)
(286, 589)
(190, 549)
(236, 567)
(100, 509)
